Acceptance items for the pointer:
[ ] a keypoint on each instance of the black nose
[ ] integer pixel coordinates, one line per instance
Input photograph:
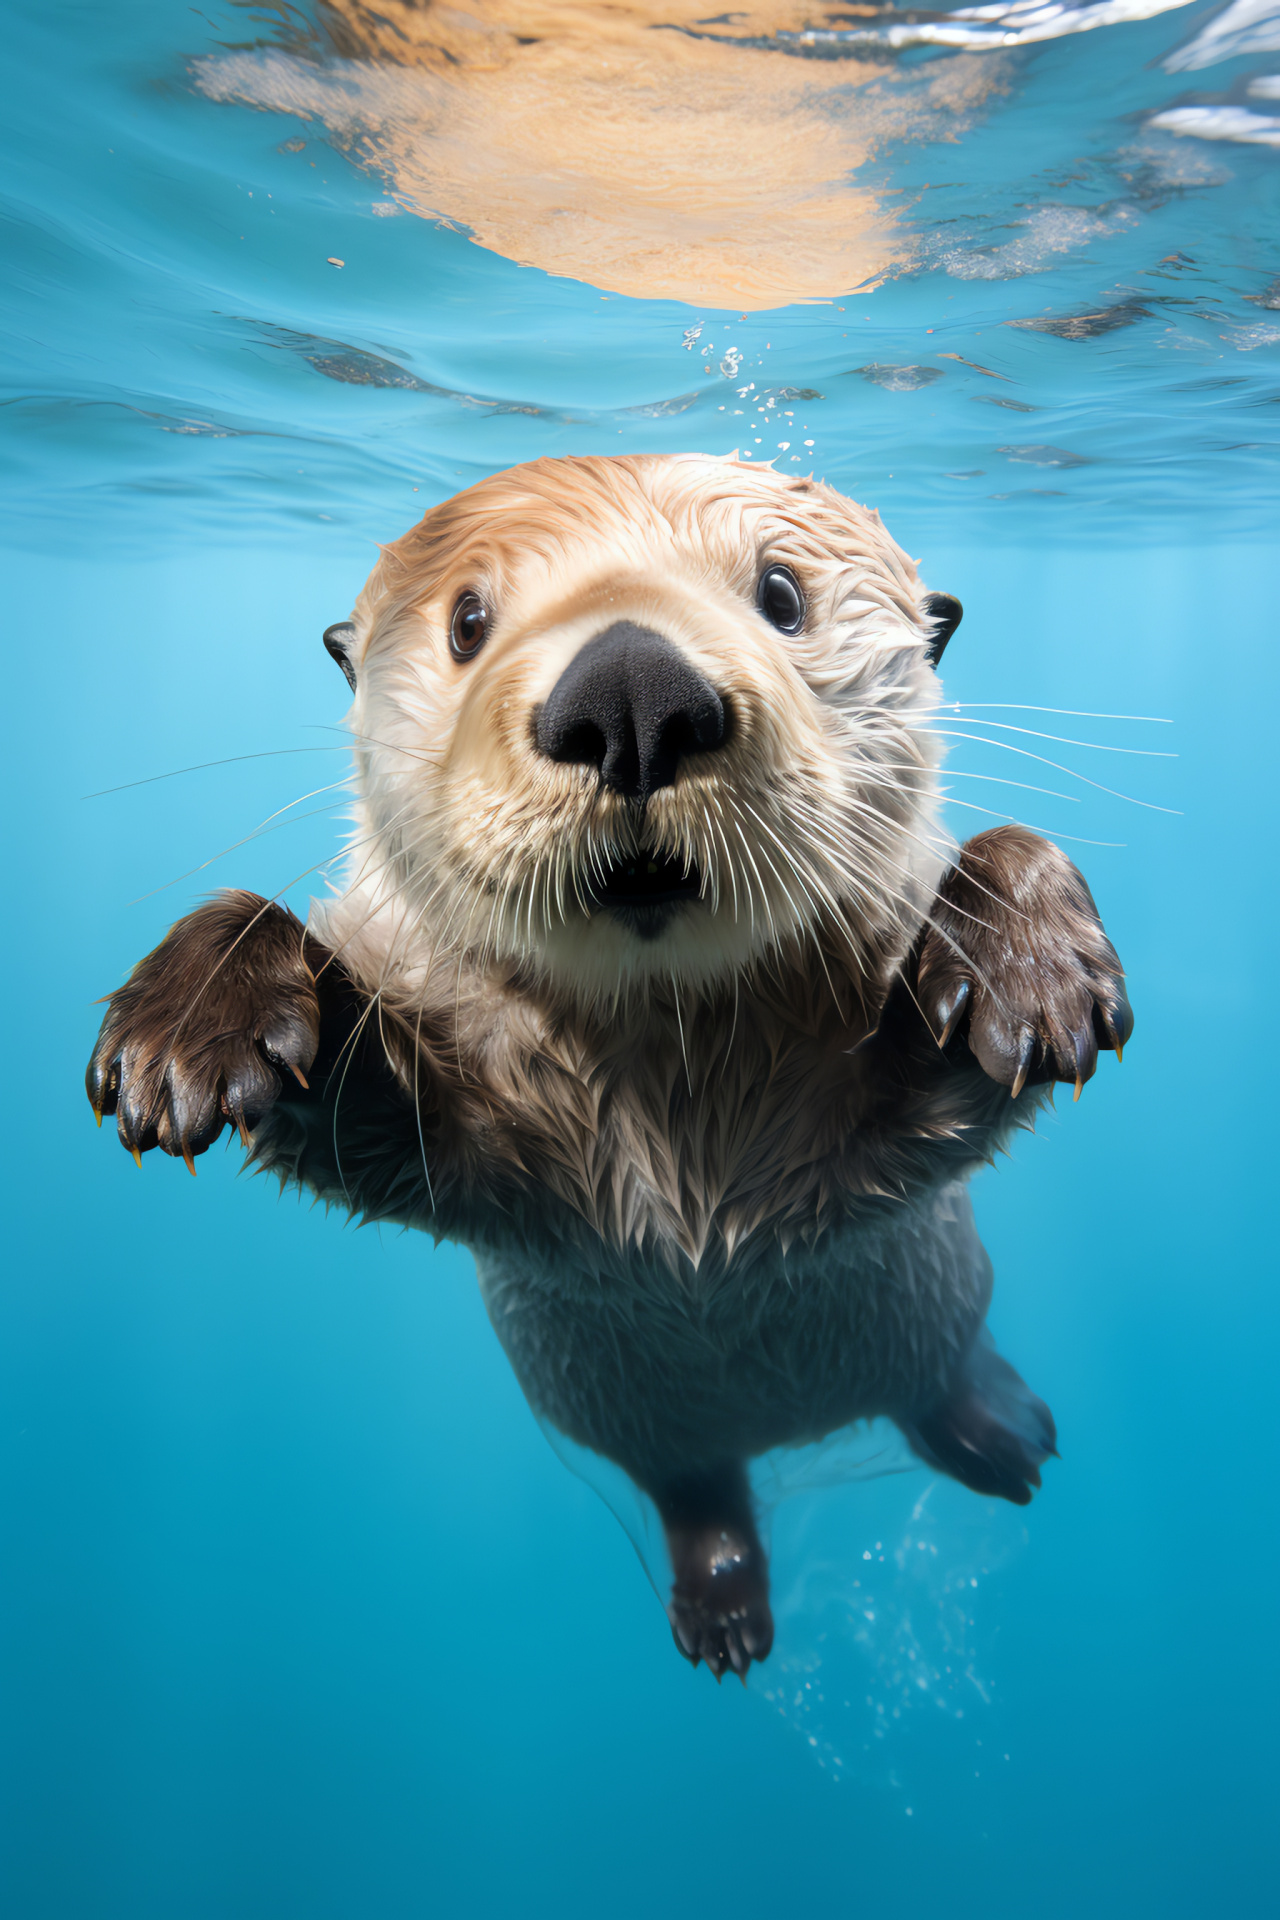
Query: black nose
(631, 705)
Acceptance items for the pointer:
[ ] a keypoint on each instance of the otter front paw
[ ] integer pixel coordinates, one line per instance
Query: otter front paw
(194, 1037)
(1016, 960)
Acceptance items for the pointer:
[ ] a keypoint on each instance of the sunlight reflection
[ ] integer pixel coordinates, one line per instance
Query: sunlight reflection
(640, 148)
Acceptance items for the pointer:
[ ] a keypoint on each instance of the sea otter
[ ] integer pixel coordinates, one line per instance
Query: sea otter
(656, 984)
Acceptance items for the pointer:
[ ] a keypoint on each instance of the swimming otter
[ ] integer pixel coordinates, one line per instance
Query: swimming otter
(655, 983)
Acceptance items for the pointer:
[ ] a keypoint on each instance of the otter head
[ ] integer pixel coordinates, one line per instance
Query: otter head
(642, 721)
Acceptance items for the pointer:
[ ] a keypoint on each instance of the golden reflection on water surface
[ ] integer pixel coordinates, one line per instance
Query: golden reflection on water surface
(640, 147)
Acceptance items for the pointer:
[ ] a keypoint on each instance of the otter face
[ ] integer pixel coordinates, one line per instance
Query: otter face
(642, 720)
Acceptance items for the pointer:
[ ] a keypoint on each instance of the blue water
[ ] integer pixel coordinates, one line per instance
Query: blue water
(301, 1615)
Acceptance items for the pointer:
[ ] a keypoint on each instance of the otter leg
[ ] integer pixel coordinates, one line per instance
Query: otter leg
(719, 1608)
(988, 1430)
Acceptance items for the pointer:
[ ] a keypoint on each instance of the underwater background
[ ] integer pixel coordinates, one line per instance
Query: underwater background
(300, 1615)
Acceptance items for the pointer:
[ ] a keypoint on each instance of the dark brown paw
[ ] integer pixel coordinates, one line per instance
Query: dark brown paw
(1018, 963)
(719, 1608)
(194, 1038)
(990, 1431)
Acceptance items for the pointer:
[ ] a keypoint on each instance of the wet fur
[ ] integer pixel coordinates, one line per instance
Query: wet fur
(714, 1181)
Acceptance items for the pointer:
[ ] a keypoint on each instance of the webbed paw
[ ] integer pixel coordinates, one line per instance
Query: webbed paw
(719, 1608)
(990, 1432)
(1016, 960)
(195, 1036)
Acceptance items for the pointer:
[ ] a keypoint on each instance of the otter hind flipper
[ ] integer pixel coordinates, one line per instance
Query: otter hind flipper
(719, 1607)
(990, 1431)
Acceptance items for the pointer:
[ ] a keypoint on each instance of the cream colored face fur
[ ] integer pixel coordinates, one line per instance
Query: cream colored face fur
(813, 825)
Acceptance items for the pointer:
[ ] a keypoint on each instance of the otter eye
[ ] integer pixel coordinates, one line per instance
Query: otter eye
(780, 600)
(468, 627)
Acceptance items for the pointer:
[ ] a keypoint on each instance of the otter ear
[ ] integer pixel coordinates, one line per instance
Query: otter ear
(340, 640)
(946, 613)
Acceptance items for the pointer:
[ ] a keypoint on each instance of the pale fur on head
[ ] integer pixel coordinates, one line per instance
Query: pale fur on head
(813, 829)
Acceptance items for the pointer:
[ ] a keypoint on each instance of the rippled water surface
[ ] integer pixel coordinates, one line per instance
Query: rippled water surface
(1029, 290)
(301, 1616)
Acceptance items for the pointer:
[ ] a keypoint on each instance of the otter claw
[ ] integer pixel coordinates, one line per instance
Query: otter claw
(950, 1016)
(1116, 1026)
(101, 1085)
(1026, 1054)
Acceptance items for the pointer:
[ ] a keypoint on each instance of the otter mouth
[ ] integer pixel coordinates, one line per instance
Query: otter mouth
(645, 890)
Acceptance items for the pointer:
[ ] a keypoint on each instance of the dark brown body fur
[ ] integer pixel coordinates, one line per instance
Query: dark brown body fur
(698, 1357)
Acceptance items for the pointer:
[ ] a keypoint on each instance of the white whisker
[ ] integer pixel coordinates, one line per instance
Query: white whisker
(1096, 746)
(1008, 746)
(202, 766)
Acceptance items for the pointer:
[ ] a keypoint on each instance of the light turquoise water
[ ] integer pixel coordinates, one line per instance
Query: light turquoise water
(301, 1615)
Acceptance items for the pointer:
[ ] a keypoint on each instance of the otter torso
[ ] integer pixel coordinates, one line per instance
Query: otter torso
(741, 1195)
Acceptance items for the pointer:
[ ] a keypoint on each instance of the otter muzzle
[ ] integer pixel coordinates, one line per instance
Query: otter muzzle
(631, 705)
